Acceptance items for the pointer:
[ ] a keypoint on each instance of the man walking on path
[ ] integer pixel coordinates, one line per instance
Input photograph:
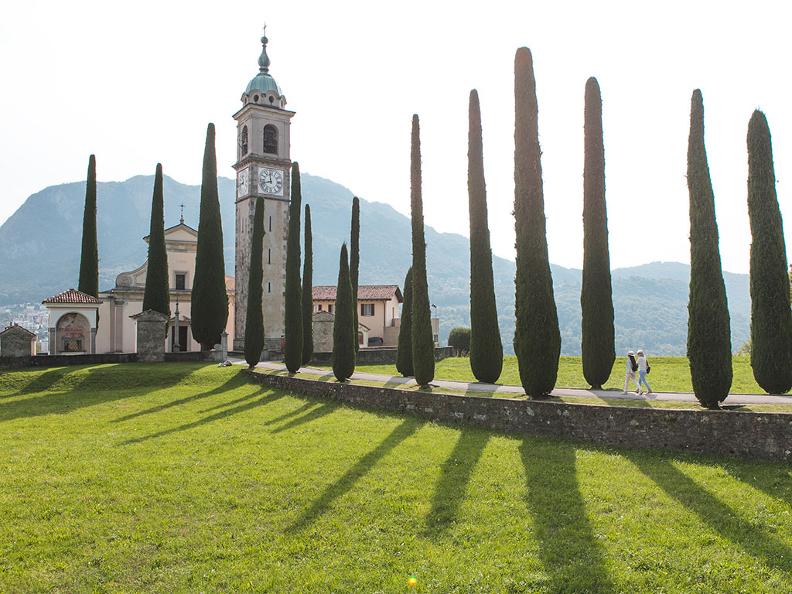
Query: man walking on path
(643, 370)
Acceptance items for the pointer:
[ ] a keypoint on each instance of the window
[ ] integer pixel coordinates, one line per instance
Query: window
(269, 287)
(181, 281)
(366, 309)
(269, 255)
(270, 139)
(319, 307)
(243, 141)
(330, 307)
(270, 223)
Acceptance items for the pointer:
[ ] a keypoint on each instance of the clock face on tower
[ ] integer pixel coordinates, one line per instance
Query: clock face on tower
(243, 183)
(271, 181)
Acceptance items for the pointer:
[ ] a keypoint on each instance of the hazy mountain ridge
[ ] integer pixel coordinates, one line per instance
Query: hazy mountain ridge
(40, 245)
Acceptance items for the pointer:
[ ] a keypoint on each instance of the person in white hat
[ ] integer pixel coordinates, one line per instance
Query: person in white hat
(643, 370)
(631, 368)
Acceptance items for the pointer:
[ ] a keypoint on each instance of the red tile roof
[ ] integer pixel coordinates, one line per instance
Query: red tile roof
(72, 296)
(365, 293)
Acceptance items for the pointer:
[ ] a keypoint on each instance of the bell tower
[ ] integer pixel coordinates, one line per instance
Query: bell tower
(263, 169)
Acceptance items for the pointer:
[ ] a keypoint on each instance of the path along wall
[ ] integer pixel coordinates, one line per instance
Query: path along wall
(745, 434)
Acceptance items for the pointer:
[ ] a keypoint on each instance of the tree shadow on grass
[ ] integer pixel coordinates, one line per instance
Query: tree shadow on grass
(717, 515)
(778, 485)
(235, 381)
(96, 385)
(570, 553)
(314, 413)
(44, 381)
(268, 397)
(454, 477)
(401, 432)
(292, 413)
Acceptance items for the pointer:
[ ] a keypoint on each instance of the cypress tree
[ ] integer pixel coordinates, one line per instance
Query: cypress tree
(596, 296)
(209, 307)
(254, 315)
(709, 333)
(404, 364)
(307, 290)
(486, 350)
(537, 340)
(771, 318)
(89, 257)
(157, 294)
(343, 343)
(422, 340)
(294, 313)
(354, 262)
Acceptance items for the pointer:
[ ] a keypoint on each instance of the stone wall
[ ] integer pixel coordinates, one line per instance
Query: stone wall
(15, 341)
(752, 435)
(63, 360)
(378, 356)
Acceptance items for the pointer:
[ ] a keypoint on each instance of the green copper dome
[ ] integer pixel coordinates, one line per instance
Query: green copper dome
(262, 83)
(263, 89)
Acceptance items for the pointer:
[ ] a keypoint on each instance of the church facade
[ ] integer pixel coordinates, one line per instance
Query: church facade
(263, 168)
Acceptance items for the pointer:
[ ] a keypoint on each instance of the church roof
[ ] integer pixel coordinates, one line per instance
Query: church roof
(365, 293)
(72, 296)
(16, 328)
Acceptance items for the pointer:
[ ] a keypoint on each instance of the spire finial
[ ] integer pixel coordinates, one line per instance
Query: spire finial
(264, 60)
(181, 216)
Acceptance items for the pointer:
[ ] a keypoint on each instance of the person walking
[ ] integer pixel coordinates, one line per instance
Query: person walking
(631, 368)
(643, 370)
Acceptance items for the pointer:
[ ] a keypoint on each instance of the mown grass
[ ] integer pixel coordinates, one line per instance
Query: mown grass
(668, 374)
(179, 477)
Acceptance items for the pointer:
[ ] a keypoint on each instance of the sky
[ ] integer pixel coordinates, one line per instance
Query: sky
(137, 83)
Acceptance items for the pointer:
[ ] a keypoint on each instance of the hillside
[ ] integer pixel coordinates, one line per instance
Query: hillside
(40, 243)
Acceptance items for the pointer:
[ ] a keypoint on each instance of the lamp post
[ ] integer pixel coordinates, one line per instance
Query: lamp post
(176, 345)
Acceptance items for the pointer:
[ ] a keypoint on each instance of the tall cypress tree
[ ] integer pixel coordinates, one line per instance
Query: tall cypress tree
(537, 340)
(596, 295)
(343, 343)
(771, 318)
(157, 294)
(294, 322)
(307, 290)
(89, 257)
(486, 350)
(709, 333)
(422, 340)
(209, 307)
(404, 363)
(354, 262)
(254, 316)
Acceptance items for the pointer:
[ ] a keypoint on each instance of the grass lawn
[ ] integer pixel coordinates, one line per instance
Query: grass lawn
(182, 477)
(669, 374)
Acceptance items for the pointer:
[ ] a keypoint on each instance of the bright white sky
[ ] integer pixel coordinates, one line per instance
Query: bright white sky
(137, 82)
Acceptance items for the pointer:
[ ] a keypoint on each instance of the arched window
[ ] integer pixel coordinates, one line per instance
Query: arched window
(243, 142)
(270, 139)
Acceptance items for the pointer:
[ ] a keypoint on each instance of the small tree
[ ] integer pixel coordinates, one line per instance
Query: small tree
(354, 261)
(596, 296)
(537, 339)
(771, 318)
(254, 315)
(157, 292)
(293, 292)
(460, 339)
(422, 339)
(209, 308)
(89, 257)
(307, 290)
(709, 333)
(343, 343)
(486, 350)
(404, 363)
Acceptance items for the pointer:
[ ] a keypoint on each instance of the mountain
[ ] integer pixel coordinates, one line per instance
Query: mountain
(40, 245)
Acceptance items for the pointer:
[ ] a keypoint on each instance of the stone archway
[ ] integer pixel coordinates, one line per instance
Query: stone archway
(73, 334)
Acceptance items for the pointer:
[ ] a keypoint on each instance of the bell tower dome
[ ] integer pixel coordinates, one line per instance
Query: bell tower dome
(263, 169)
